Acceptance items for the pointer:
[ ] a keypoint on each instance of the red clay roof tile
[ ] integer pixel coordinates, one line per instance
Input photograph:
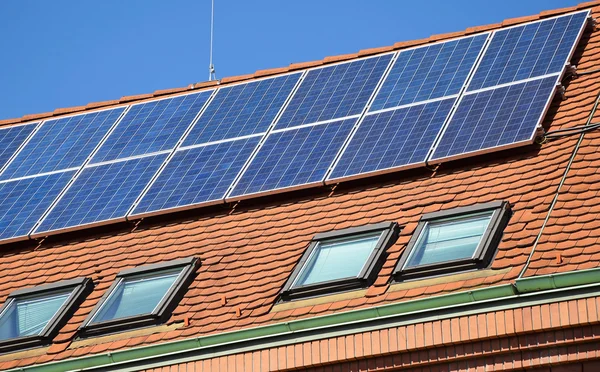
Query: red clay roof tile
(339, 58)
(205, 84)
(163, 92)
(68, 110)
(303, 65)
(138, 97)
(514, 21)
(371, 51)
(272, 71)
(93, 105)
(36, 116)
(10, 121)
(233, 79)
(446, 36)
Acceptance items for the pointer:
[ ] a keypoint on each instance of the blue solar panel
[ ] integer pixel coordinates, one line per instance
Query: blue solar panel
(242, 110)
(294, 157)
(152, 127)
(531, 50)
(11, 139)
(62, 143)
(334, 92)
(197, 175)
(393, 139)
(101, 193)
(496, 117)
(429, 72)
(24, 201)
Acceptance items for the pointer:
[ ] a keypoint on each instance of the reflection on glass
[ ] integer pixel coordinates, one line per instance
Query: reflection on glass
(337, 259)
(136, 295)
(449, 239)
(28, 316)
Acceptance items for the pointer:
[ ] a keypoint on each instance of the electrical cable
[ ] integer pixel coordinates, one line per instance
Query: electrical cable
(570, 131)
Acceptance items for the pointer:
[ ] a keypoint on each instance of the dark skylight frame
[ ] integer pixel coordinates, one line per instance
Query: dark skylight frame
(162, 310)
(482, 257)
(79, 288)
(389, 234)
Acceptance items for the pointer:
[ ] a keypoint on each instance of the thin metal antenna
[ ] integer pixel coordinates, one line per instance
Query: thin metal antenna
(211, 68)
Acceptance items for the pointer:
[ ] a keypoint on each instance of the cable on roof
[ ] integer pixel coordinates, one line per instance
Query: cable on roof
(560, 185)
(570, 131)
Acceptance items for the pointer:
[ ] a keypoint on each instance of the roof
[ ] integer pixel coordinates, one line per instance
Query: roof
(249, 249)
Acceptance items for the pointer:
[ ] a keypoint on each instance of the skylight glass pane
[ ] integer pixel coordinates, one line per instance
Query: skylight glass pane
(137, 295)
(449, 239)
(29, 316)
(337, 259)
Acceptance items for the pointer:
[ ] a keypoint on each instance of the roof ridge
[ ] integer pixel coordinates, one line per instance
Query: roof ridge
(298, 66)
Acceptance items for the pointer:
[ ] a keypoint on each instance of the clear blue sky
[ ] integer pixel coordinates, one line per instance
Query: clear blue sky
(61, 53)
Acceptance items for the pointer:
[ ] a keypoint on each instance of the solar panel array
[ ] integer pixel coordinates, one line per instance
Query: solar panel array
(410, 109)
(327, 124)
(151, 127)
(530, 59)
(11, 139)
(218, 145)
(61, 144)
(294, 157)
(101, 193)
(108, 186)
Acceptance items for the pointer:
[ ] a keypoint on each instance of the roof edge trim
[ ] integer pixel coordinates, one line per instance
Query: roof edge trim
(525, 286)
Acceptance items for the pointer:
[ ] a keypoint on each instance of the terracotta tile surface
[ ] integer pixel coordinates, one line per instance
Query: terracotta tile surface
(248, 250)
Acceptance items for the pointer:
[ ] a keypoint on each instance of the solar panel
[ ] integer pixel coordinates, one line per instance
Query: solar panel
(334, 92)
(429, 72)
(62, 143)
(294, 158)
(242, 110)
(392, 139)
(102, 193)
(530, 50)
(197, 175)
(152, 127)
(496, 117)
(24, 201)
(11, 139)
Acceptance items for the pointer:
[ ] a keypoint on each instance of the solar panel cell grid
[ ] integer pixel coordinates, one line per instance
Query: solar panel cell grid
(242, 110)
(336, 91)
(393, 139)
(294, 157)
(429, 72)
(24, 201)
(11, 139)
(152, 127)
(527, 51)
(62, 143)
(496, 117)
(197, 175)
(101, 193)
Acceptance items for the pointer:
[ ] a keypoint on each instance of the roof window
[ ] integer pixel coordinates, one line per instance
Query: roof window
(141, 296)
(32, 316)
(454, 240)
(341, 260)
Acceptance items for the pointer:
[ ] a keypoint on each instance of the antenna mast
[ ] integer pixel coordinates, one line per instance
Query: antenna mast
(211, 68)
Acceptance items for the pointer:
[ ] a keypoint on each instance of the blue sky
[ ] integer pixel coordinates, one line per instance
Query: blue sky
(64, 53)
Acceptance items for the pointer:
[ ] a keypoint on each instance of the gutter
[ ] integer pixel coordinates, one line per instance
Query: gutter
(541, 289)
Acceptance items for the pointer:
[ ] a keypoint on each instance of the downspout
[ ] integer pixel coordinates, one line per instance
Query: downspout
(564, 177)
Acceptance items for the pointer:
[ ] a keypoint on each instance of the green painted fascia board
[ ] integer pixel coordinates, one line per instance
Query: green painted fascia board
(523, 285)
(559, 280)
